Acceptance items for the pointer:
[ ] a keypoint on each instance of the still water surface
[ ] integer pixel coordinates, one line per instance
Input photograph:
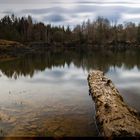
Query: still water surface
(47, 94)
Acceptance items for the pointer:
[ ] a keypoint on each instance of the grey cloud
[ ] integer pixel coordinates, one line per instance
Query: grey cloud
(136, 20)
(8, 12)
(45, 10)
(22, 1)
(60, 14)
(83, 9)
(66, 1)
(111, 12)
(54, 18)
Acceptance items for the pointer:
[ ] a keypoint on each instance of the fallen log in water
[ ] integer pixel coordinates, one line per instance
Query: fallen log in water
(113, 115)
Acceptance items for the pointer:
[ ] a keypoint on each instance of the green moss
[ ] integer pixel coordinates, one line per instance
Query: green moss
(49, 134)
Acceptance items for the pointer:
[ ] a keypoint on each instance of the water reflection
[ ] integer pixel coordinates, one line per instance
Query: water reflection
(53, 102)
(46, 94)
(102, 60)
(128, 82)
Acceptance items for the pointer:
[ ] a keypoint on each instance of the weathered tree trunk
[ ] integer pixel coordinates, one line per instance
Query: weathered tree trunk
(114, 117)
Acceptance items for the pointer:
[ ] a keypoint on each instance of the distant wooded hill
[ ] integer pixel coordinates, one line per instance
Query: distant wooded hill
(100, 31)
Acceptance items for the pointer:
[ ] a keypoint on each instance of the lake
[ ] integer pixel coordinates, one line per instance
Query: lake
(47, 94)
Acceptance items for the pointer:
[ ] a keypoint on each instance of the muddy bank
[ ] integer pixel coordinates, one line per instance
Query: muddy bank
(114, 116)
(11, 49)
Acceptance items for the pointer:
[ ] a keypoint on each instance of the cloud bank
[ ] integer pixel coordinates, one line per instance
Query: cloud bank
(73, 12)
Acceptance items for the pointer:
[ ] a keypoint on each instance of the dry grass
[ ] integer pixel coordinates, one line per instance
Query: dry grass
(7, 43)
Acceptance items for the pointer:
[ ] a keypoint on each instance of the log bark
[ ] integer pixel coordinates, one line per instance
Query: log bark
(114, 117)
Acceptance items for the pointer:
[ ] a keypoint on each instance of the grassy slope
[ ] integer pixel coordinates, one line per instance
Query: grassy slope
(9, 49)
(7, 43)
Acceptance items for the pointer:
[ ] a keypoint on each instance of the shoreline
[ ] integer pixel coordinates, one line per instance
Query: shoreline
(12, 49)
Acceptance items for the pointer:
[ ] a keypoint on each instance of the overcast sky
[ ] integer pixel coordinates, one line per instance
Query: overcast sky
(71, 12)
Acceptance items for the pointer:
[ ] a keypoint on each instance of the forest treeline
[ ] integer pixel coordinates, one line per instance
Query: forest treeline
(100, 31)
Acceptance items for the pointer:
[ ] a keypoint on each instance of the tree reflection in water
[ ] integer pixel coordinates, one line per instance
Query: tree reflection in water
(86, 60)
